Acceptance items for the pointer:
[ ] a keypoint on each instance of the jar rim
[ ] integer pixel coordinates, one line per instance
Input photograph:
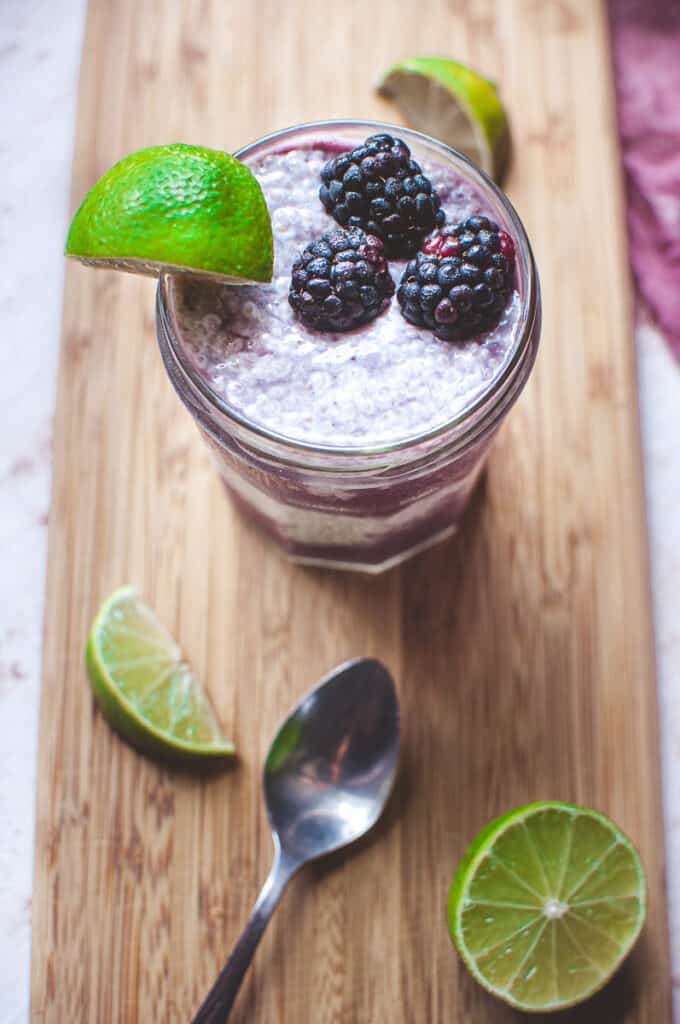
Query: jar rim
(466, 425)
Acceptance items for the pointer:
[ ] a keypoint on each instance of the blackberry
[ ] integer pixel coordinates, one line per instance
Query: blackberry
(378, 187)
(459, 284)
(340, 281)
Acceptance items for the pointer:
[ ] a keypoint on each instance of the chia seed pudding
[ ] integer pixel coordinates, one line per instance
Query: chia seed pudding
(351, 448)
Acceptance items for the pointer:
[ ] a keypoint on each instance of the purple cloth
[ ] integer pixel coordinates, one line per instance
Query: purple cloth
(646, 44)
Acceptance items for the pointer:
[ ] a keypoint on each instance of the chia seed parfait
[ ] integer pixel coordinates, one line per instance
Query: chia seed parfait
(350, 403)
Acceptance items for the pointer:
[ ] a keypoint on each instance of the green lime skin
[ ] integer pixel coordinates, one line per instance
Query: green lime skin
(179, 208)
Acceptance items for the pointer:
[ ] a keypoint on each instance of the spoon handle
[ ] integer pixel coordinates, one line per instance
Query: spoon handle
(219, 1001)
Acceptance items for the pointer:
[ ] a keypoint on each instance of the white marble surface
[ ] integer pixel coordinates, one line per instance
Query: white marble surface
(40, 44)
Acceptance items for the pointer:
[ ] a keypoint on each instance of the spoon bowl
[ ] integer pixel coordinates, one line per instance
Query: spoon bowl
(332, 764)
(327, 777)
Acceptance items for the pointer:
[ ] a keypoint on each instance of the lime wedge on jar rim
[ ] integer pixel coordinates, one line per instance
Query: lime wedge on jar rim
(546, 904)
(452, 102)
(177, 208)
(145, 688)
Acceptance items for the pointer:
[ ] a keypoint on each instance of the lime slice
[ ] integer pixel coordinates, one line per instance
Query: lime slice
(143, 686)
(178, 208)
(546, 904)
(451, 102)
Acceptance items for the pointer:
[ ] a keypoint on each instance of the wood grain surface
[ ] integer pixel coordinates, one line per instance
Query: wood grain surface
(522, 649)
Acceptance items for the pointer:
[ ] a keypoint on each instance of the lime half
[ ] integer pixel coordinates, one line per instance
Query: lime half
(145, 689)
(546, 904)
(451, 102)
(178, 208)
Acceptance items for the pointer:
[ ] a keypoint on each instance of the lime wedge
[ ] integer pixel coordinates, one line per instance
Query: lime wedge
(177, 208)
(546, 904)
(143, 686)
(453, 103)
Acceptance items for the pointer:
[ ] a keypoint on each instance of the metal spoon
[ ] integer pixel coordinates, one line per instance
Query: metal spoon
(327, 778)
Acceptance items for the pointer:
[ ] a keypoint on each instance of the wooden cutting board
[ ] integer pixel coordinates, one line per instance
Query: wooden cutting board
(523, 648)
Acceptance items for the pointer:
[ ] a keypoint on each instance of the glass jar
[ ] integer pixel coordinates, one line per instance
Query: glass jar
(368, 507)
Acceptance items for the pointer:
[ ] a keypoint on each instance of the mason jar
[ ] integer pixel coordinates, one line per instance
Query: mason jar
(369, 506)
